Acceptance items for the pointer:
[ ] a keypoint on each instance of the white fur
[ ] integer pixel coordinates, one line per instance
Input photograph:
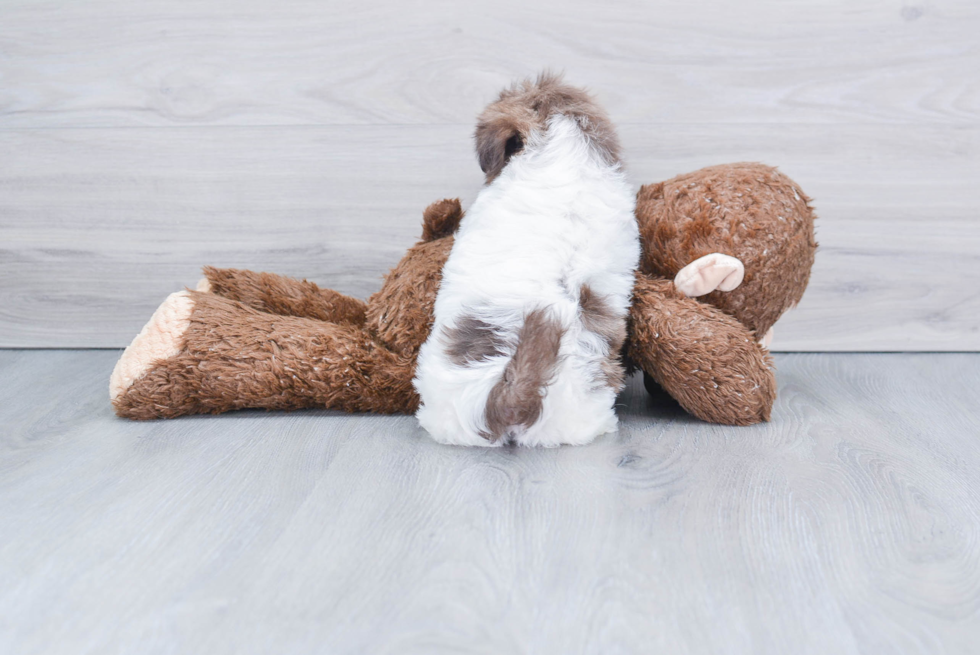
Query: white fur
(556, 218)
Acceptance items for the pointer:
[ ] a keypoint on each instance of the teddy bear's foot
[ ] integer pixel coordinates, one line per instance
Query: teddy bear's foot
(708, 273)
(160, 339)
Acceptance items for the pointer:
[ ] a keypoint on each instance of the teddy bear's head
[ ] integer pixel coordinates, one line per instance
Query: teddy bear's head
(749, 211)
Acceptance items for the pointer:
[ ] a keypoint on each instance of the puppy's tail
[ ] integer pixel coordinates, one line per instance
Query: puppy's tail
(516, 400)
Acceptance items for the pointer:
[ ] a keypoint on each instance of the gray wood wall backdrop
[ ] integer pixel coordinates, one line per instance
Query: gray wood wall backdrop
(139, 141)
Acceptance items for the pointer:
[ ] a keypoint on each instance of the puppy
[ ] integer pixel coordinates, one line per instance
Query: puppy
(530, 316)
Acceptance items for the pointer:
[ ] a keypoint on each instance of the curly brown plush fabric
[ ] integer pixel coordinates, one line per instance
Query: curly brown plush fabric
(276, 294)
(702, 357)
(400, 313)
(267, 341)
(234, 357)
(749, 211)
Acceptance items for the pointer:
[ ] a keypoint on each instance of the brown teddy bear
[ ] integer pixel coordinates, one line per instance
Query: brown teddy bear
(259, 340)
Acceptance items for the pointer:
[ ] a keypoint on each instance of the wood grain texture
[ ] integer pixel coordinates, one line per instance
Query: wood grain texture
(88, 251)
(140, 142)
(849, 524)
(216, 62)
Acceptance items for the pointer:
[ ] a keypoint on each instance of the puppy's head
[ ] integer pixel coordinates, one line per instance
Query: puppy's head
(504, 127)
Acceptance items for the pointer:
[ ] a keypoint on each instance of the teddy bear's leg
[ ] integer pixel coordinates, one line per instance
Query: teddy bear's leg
(278, 294)
(705, 274)
(201, 353)
(708, 361)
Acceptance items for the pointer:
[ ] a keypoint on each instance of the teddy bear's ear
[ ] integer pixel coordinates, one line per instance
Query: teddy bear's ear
(441, 218)
(497, 140)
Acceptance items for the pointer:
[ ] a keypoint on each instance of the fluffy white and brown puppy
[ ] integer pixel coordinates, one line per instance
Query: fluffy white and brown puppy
(530, 316)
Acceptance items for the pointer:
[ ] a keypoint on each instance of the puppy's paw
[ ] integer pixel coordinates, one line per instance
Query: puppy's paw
(161, 338)
(203, 285)
(705, 274)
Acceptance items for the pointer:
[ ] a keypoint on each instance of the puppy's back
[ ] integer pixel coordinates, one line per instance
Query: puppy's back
(511, 355)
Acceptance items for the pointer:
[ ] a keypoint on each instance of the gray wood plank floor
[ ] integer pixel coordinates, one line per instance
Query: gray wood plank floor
(139, 141)
(849, 524)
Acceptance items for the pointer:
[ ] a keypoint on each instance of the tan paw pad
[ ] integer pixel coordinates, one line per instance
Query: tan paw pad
(161, 338)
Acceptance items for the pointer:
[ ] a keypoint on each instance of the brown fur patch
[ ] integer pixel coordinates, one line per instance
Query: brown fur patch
(471, 340)
(598, 317)
(517, 398)
(506, 124)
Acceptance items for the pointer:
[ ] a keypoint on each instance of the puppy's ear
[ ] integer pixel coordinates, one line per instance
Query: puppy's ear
(497, 140)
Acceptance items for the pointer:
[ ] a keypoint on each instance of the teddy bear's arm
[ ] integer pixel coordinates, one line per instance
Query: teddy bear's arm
(708, 361)
(285, 296)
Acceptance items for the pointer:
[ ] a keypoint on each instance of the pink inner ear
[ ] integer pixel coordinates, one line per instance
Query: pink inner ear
(708, 273)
